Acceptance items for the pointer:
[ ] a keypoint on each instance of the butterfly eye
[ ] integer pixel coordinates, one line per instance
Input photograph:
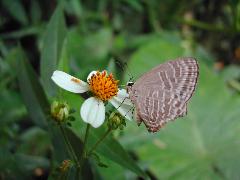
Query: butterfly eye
(130, 83)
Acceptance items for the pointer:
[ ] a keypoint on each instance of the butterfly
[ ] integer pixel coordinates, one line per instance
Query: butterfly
(162, 94)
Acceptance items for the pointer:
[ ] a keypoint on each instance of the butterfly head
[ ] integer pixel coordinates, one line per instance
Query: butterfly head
(129, 86)
(130, 83)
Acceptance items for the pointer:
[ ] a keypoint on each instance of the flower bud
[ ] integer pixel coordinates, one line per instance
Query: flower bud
(116, 120)
(65, 165)
(60, 111)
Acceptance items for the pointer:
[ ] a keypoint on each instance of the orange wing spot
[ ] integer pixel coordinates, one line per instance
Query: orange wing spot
(76, 80)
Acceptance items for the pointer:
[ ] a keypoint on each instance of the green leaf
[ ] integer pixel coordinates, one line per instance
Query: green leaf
(28, 139)
(16, 10)
(98, 160)
(157, 51)
(18, 165)
(204, 144)
(111, 68)
(135, 4)
(29, 163)
(235, 8)
(230, 72)
(63, 63)
(76, 8)
(51, 51)
(110, 148)
(89, 52)
(11, 107)
(32, 92)
(78, 146)
(37, 103)
(9, 167)
(113, 150)
(23, 32)
(35, 11)
(119, 171)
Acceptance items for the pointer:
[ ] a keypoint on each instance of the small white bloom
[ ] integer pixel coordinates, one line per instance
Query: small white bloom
(104, 88)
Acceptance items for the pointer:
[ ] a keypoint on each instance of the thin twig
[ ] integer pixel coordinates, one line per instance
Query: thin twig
(69, 147)
(99, 141)
(83, 156)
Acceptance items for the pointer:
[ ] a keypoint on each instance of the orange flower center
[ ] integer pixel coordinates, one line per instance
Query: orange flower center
(103, 86)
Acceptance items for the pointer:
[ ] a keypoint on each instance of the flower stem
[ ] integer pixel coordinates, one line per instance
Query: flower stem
(69, 147)
(99, 141)
(84, 155)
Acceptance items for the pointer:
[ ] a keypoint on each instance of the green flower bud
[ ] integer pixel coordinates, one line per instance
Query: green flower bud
(60, 111)
(116, 120)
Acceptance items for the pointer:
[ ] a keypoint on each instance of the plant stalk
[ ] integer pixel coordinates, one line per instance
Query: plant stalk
(69, 147)
(99, 141)
(84, 155)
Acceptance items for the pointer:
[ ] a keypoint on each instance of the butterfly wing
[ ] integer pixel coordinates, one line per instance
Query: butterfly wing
(162, 94)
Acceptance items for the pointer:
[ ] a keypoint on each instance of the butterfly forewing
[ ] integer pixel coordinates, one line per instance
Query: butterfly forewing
(161, 94)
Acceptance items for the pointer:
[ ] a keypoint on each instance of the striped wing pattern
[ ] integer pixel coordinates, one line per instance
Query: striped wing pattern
(162, 94)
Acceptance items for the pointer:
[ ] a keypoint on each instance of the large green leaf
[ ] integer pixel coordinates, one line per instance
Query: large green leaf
(33, 95)
(20, 166)
(28, 139)
(119, 172)
(12, 104)
(112, 149)
(160, 50)
(51, 51)
(36, 102)
(89, 52)
(204, 144)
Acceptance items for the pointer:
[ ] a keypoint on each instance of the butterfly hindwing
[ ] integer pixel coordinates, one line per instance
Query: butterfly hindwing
(161, 94)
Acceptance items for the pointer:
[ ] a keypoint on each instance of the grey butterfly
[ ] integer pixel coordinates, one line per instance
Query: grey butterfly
(162, 94)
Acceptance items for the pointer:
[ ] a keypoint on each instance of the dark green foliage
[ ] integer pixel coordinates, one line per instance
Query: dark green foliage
(128, 38)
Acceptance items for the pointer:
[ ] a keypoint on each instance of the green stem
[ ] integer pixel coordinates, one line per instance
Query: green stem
(84, 155)
(99, 141)
(69, 147)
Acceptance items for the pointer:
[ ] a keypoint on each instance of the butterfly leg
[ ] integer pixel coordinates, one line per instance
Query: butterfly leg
(131, 109)
(121, 103)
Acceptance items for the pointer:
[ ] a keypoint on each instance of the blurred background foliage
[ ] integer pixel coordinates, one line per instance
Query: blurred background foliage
(128, 38)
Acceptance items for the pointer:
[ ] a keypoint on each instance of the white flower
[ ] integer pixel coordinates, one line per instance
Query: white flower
(103, 87)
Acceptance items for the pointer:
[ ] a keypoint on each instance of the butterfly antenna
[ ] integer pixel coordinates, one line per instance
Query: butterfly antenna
(121, 103)
(119, 64)
(124, 67)
(129, 72)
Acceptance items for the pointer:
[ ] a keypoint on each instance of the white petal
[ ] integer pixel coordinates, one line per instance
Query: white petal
(123, 97)
(93, 112)
(69, 82)
(125, 110)
(90, 75)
